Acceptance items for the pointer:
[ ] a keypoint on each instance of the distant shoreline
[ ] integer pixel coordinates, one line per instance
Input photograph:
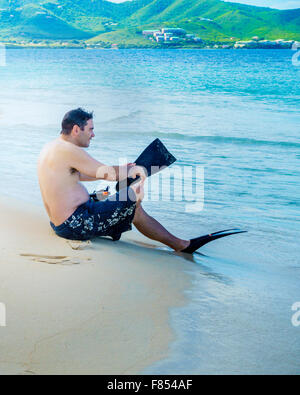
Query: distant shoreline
(8, 47)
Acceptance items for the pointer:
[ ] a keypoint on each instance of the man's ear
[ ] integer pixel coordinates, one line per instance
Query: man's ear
(75, 130)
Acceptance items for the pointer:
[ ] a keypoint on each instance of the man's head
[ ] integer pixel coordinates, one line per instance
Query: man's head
(77, 126)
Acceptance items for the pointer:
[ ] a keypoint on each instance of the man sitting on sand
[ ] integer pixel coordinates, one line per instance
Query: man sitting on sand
(63, 163)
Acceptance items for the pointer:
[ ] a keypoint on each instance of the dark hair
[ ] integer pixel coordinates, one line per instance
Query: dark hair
(77, 117)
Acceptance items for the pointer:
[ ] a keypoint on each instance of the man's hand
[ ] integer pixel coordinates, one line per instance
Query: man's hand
(122, 171)
(128, 167)
(137, 171)
(130, 170)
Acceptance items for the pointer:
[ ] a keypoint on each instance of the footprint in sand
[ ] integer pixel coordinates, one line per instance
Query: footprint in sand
(52, 259)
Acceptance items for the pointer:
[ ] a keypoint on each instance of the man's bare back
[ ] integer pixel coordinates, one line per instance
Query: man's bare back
(60, 184)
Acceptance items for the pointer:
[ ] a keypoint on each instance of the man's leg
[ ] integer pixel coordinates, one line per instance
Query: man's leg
(151, 228)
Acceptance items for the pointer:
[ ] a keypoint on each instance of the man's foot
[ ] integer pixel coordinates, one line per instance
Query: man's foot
(198, 242)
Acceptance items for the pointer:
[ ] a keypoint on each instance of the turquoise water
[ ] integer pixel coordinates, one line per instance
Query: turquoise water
(234, 113)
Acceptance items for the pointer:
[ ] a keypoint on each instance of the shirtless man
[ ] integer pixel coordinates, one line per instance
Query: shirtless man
(63, 164)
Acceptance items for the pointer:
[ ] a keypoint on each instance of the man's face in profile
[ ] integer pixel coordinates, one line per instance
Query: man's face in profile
(85, 135)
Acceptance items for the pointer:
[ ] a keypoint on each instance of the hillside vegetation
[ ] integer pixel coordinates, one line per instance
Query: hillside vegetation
(99, 21)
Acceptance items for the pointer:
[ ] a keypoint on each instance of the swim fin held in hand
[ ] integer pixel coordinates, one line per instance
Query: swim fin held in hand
(153, 159)
(202, 240)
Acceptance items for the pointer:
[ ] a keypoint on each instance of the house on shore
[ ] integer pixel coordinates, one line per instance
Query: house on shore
(173, 35)
(174, 31)
(150, 33)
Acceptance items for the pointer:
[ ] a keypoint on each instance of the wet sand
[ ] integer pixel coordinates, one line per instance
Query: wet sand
(97, 307)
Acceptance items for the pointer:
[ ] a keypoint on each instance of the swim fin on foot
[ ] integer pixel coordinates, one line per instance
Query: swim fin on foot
(198, 242)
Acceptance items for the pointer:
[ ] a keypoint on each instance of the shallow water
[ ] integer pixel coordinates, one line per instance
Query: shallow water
(233, 113)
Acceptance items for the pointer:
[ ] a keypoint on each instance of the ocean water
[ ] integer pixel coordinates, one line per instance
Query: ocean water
(234, 115)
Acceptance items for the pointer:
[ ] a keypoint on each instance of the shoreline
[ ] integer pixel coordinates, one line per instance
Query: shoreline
(83, 308)
(9, 47)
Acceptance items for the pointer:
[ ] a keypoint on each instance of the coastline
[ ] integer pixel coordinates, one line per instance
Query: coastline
(9, 46)
(83, 308)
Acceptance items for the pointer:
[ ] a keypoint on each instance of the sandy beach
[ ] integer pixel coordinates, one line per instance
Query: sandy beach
(82, 308)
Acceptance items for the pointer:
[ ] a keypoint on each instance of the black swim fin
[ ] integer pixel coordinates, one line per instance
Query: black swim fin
(202, 240)
(153, 159)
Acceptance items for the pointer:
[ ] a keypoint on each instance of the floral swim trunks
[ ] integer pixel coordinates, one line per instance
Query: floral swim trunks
(110, 217)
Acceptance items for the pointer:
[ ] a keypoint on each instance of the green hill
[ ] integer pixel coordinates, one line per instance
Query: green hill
(217, 19)
(33, 21)
(99, 21)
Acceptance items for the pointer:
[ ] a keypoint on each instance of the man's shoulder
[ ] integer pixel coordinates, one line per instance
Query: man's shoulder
(56, 149)
(61, 146)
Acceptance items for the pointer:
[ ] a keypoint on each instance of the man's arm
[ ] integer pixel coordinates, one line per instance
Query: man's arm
(84, 177)
(90, 169)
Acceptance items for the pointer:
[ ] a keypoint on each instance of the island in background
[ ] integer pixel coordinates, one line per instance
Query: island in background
(145, 24)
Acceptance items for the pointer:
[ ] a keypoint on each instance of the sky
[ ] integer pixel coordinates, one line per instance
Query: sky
(280, 4)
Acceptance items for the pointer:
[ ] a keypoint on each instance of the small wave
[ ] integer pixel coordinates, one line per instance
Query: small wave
(293, 203)
(31, 126)
(126, 117)
(226, 140)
